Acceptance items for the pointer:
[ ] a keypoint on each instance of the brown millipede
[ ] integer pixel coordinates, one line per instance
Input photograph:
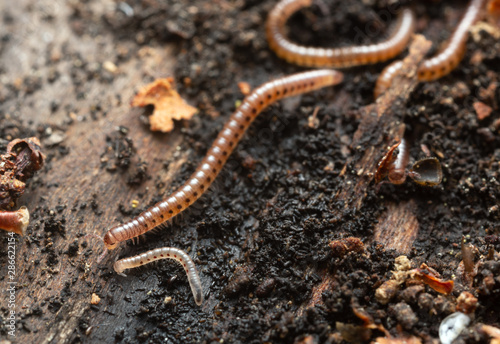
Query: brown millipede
(444, 62)
(397, 169)
(15, 221)
(166, 253)
(386, 164)
(217, 155)
(426, 171)
(333, 57)
(393, 163)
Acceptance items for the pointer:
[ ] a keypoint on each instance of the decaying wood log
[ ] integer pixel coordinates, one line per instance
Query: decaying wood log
(379, 126)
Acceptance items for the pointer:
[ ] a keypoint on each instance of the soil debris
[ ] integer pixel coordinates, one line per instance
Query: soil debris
(432, 279)
(22, 159)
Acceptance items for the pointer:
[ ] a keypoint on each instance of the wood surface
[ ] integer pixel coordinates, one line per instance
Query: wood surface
(76, 194)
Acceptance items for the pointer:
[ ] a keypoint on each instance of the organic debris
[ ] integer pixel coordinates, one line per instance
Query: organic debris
(95, 299)
(22, 160)
(482, 110)
(401, 340)
(167, 102)
(15, 221)
(385, 163)
(427, 172)
(492, 332)
(343, 246)
(466, 303)
(430, 277)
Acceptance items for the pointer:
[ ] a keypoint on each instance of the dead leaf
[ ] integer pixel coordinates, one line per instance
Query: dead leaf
(167, 102)
(430, 277)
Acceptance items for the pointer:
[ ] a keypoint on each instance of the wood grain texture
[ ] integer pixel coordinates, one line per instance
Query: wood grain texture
(45, 274)
(379, 125)
(397, 227)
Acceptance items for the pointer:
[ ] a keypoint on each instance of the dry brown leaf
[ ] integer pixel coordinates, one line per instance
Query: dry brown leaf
(167, 102)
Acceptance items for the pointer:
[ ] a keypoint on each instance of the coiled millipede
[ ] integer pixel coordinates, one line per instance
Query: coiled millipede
(430, 69)
(333, 57)
(165, 253)
(444, 62)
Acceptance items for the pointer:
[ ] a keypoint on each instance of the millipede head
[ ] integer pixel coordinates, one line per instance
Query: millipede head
(118, 269)
(110, 241)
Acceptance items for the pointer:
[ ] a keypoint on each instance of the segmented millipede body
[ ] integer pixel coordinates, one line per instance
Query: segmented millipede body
(397, 169)
(166, 253)
(444, 62)
(333, 57)
(217, 155)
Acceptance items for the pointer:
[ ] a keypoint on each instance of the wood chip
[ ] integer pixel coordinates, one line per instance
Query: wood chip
(244, 87)
(95, 299)
(402, 340)
(110, 67)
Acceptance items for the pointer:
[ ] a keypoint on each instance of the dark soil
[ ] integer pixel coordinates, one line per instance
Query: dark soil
(261, 234)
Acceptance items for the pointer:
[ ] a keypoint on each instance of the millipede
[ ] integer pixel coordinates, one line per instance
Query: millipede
(445, 61)
(393, 163)
(166, 253)
(334, 57)
(397, 169)
(220, 150)
(430, 69)
(288, 86)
